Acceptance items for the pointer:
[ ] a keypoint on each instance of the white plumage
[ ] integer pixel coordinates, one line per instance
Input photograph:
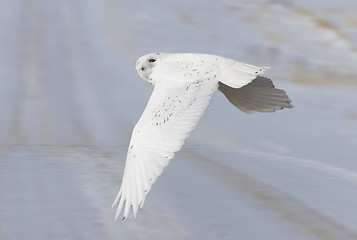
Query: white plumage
(184, 85)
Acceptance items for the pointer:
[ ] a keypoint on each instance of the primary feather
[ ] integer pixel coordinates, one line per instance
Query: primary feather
(184, 86)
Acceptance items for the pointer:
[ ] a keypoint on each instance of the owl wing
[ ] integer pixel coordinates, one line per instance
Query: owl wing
(171, 114)
(237, 74)
(228, 71)
(259, 95)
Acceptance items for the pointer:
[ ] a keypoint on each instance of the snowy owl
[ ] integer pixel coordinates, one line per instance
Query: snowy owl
(184, 85)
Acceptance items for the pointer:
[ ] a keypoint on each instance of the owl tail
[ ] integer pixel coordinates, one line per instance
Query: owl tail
(259, 95)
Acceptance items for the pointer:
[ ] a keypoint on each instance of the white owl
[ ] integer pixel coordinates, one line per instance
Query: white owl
(184, 85)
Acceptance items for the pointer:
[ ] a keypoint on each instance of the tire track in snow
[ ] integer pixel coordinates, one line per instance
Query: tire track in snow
(80, 92)
(16, 129)
(4, 151)
(29, 122)
(37, 108)
(92, 118)
(32, 119)
(230, 143)
(306, 219)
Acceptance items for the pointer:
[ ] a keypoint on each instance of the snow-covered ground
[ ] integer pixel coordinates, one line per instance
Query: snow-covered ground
(70, 96)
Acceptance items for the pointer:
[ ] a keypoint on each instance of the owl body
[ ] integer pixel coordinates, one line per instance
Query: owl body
(184, 84)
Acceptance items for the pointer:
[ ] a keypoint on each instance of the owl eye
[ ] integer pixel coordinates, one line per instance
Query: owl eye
(152, 60)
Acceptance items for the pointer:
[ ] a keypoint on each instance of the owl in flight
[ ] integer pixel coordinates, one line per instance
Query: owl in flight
(184, 84)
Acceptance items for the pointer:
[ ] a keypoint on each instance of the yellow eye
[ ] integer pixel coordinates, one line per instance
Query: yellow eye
(152, 60)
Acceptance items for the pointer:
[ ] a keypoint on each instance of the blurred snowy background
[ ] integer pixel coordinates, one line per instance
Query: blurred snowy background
(70, 96)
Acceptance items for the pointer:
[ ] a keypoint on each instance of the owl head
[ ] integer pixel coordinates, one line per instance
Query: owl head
(145, 64)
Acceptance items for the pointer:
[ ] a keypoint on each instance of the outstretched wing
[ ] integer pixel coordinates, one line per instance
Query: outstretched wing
(171, 114)
(259, 95)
